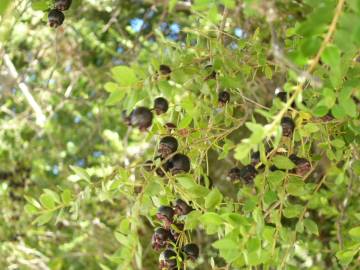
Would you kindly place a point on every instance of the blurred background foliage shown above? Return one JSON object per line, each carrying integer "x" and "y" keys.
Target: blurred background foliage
{"x": 72, "y": 191}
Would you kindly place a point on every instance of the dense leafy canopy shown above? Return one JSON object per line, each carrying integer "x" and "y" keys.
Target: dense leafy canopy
{"x": 274, "y": 177}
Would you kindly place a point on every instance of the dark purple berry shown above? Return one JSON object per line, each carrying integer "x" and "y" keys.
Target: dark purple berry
{"x": 303, "y": 166}
{"x": 160, "y": 171}
{"x": 165, "y": 70}
{"x": 62, "y": 5}
{"x": 327, "y": 118}
{"x": 288, "y": 126}
{"x": 160, "y": 238}
{"x": 282, "y": 96}
{"x": 234, "y": 174}
{"x": 179, "y": 163}
{"x": 165, "y": 214}
{"x": 167, "y": 146}
{"x": 161, "y": 105}
{"x": 167, "y": 260}
{"x": 223, "y": 97}
{"x": 212, "y": 75}
{"x": 55, "y": 18}
{"x": 141, "y": 117}
{"x": 170, "y": 126}
{"x": 191, "y": 251}
{"x": 248, "y": 173}
{"x": 149, "y": 165}
{"x": 182, "y": 208}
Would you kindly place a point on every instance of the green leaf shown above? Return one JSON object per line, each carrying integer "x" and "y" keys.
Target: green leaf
{"x": 66, "y": 196}
{"x": 320, "y": 110}
{"x": 338, "y": 112}
{"x": 275, "y": 178}
{"x": 211, "y": 218}
{"x": 111, "y": 87}
{"x": 338, "y": 143}
{"x": 270, "y": 197}
{"x": 355, "y": 232}
{"x": 349, "y": 107}
{"x": 30, "y": 209}
{"x": 295, "y": 186}
{"x": 258, "y": 132}
{"x": 186, "y": 181}
{"x": 115, "y": 97}
{"x": 124, "y": 75}
{"x": 213, "y": 198}
{"x": 331, "y": 56}
{"x": 293, "y": 210}
{"x": 242, "y": 150}
{"x": 311, "y": 128}
{"x": 225, "y": 244}
{"x": 47, "y": 201}
{"x": 311, "y": 226}
{"x": 346, "y": 256}
{"x": 81, "y": 173}
{"x": 43, "y": 219}
{"x": 283, "y": 162}
{"x": 53, "y": 194}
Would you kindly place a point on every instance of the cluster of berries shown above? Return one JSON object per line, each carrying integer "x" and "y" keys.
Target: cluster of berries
{"x": 171, "y": 162}
{"x": 56, "y": 16}
{"x": 249, "y": 172}
{"x": 303, "y": 166}
{"x": 171, "y": 237}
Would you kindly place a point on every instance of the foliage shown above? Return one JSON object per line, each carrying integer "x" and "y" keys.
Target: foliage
{"x": 73, "y": 190}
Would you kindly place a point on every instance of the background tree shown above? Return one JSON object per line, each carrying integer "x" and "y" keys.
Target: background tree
{"x": 263, "y": 98}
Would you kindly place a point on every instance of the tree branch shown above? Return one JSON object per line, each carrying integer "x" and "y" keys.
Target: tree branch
{"x": 39, "y": 115}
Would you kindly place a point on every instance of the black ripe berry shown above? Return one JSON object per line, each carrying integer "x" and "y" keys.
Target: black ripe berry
{"x": 288, "y": 126}
{"x": 234, "y": 174}
{"x": 160, "y": 171}
{"x": 223, "y": 97}
{"x": 149, "y": 165}
{"x": 170, "y": 126}
{"x": 165, "y": 214}
{"x": 55, "y": 18}
{"x": 248, "y": 173}
{"x": 167, "y": 260}
{"x": 213, "y": 73}
{"x": 62, "y": 4}
{"x": 182, "y": 208}
{"x": 167, "y": 146}
{"x": 161, "y": 105}
{"x": 327, "y": 118}
{"x": 160, "y": 238}
{"x": 303, "y": 166}
{"x": 141, "y": 117}
{"x": 191, "y": 251}
{"x": 179, "y": 163}
{"x": 282, "y": 96}
{"x": 165, "y": 70}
